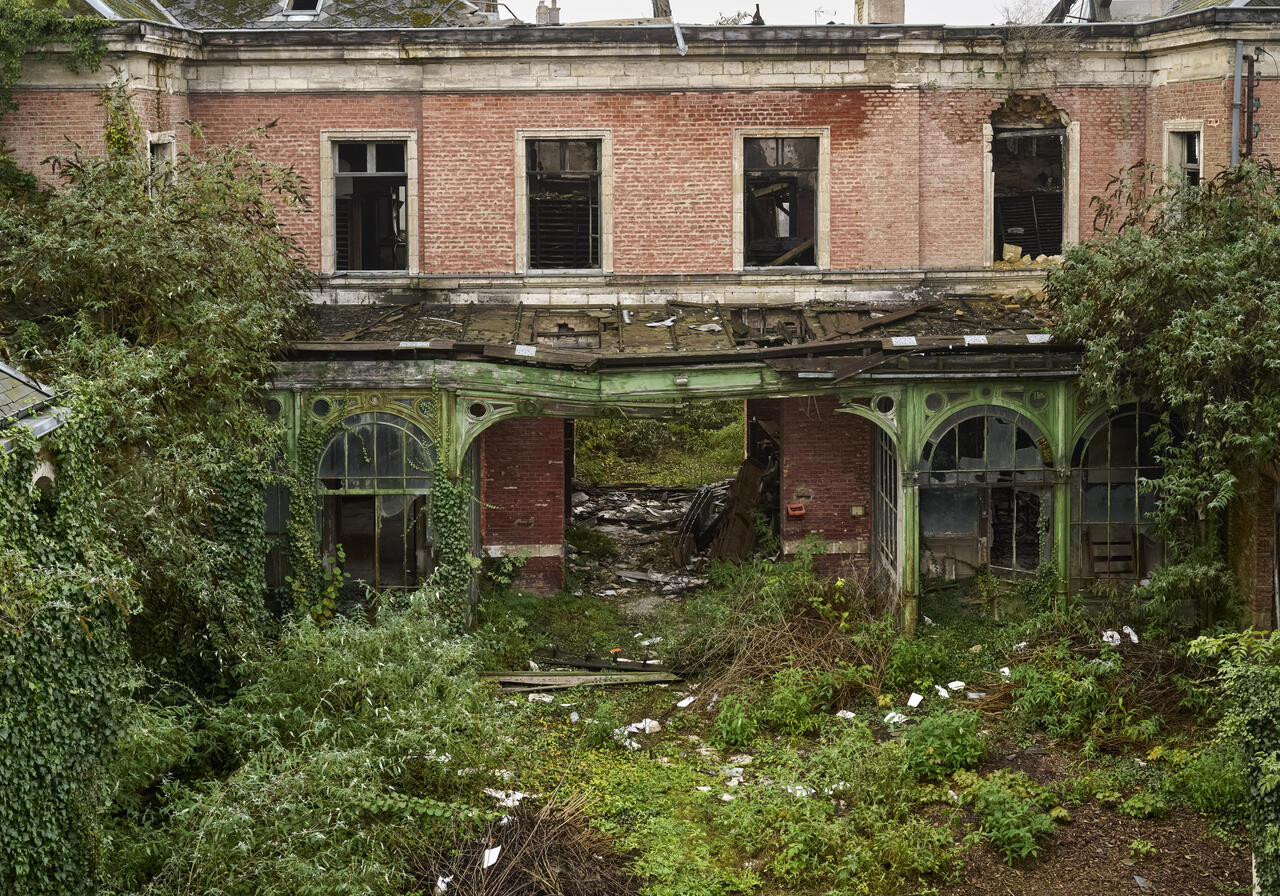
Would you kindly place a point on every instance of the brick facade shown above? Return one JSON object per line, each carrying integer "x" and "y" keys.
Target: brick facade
{"x": 522, "y": 497}
{"x": 826, "y": 468}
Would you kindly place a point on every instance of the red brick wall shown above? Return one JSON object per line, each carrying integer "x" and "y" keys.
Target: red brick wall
{"x": 826, "y": 466}
{"x": 46, "y": 123}
{"x": 522, "y": 483}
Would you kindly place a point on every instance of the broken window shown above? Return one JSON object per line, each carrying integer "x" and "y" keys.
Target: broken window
{"x": 1027, "y": 164}
{"x": 1184, "y": 155}
{"x": 779, "y": 201}
{"x": 884, "y": 512}
{"x": 564, "y": 203}
{"x": 371, "y": 198}
{"x": 303, "y": 5}
{"x": 985, "y": 495}
{"x": 1113, "y": 536}
{"x": 162, "y": 155}
{"x": 374, "y": 479}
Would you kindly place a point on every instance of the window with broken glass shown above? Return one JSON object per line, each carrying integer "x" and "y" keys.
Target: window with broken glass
{"x": 779, "y": 201}
{"x": 885, "y": 488}
{"x": 564, "y": 204}
{"x": 1184, "y": 155}
{"x": 1027, "y": 165}
{"x": 1112, "y": 533}
{"x": 371, "y": 197}
{"x": 374, "y": 478}
{"x": 985, "y": 495}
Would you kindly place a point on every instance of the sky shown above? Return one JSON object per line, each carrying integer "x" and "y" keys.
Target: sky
{"x": 774, "y": 12}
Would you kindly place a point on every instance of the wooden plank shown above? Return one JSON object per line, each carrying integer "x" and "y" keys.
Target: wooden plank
{"x": 549, "y": 681}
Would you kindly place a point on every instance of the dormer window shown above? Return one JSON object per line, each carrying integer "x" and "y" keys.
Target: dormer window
{"x": 307, "y": 7}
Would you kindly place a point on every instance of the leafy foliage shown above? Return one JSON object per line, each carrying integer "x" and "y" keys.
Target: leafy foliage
{"x": 1012, "y": 819}
{"x": 943, "y": 743}
{"x": 161, "y": 297}
{"x": 1249, "y": 665}
{"x": 699, "y": 444}
{"x": 1180, "y": 306}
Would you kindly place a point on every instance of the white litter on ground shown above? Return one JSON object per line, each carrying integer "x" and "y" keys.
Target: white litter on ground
{"x": 915, "y": 699}
{"x": 977, "y": 695}
{"x": 895, "y": 718}
{"x": 1005, "y": 671}
{"x": 1133, "y": 636}
{"x": 686, "y": 702}
{"x": 942, "y": 692}
{"x": 955, "y": 685}
{"x": 507, "y": 799}
{"x": 845, "y": 714}
{"x": 540, "y": 698}
{"x": 490, "y": 857}
{"x": 442, "y": 884}
{"x": 1112, "y": 638}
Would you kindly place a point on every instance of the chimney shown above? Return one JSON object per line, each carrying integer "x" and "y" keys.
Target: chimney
{"x": 547, "y": 15}
{"x": 881, "y": 12}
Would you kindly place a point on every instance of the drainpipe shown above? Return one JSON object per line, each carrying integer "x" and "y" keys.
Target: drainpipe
{"x": 1235, "y": 106}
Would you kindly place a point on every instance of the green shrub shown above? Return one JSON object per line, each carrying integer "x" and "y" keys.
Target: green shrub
{"x": 944, "y": 743}
{"x": 1215, "y": 783}
{"x": 1145, "y": 804}
{"x": 1012, "y": 819}
{"x": 734, "y": 727}
{"x": 917, "y": 663}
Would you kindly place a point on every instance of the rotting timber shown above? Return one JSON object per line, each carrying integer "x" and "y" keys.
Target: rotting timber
{"x": 909, "y": 363}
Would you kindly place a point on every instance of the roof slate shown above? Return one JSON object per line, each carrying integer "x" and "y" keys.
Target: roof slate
{"x": 261, "y": 14}
{"x": 20, "y": 395}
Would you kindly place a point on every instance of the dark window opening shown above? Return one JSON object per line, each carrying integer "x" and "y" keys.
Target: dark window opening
{"x": 1185, "y": 155}
{"x": 780, "y": 201}
{"x": 304, "y": 5}
{"x": 985, "y": 497}
{"x": 371, "y": 201}
{"x": 1028, "y": 169}
{"x": 1113, "y": 536}
{"x": 564, "y": 204}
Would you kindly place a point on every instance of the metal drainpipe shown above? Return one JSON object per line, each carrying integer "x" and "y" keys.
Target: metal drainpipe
{"x": 1235, "y": 106}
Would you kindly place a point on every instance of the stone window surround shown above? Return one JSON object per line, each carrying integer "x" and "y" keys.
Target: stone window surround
{"x": 822, "y": 243}
{"x": 1182, "y": 126}
{"x": 328, "y": 247}
{"x": 169, "y": 138}
{"x": 605, "y": 136}
{"x": 1070, "y": 191}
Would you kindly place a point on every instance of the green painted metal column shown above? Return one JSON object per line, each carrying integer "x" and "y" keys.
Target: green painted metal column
{"x": 908, "y": 437}
{"x": 1063, "y": 418}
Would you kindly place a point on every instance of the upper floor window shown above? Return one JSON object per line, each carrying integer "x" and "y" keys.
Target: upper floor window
{"x": 1184, "y": 155}
{"x": 779, "y": 201}
{"x": 371, "y": 206}
{"x": 564, "y": 203}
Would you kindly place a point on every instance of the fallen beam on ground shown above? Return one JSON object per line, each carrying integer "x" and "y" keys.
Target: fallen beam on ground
{"x": 550, "y": 681}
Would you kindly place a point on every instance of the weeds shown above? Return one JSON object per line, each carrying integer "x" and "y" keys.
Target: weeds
{"x": 944, "y": 743}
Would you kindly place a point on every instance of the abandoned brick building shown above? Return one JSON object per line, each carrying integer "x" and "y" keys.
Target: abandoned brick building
{"x": 842, "y": 226}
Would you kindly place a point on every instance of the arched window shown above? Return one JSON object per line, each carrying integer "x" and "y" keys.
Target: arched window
{"x": 985, "y": 493}
{"x": 1110, "y": 513}
{"x": 373, "y": 478}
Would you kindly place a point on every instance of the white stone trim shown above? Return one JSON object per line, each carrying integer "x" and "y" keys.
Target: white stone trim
{"x": 605, "y": 136}
{"x": 328, "y": 249}
{"x": 524, "y": 550}
{"x": 822, "y": 244}
{"x": 1182, "y": 126}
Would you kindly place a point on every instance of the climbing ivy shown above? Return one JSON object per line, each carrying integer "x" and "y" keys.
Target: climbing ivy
{"x": 63, "y": 601}
{"x": 162, "y": 306}
{"x": 28, "y": 28}
{"x": 1249, "y": 665}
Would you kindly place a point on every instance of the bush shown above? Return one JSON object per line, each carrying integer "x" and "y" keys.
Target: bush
{"x": 1215, "y": 784}
{"x": 351, "y": 740}
{"x": 734, "y": 727}
{"x": 944, "y": 743}
{"x": 1012, "y": 819}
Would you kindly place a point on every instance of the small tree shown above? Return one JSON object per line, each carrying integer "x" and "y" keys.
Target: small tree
{"x": 159, "y": 297}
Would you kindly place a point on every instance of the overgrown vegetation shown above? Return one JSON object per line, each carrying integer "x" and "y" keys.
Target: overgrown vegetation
{"x": 700, "y": 444}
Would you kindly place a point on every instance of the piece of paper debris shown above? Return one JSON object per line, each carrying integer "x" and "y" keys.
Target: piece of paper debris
{"x": 1133, "y": 636}
{"x": 573, "y": 718}
{"x": 977, "y": 695}
{"x": 442, "y": 884}
{"x": 644, "y": 726}
{"x": 1112, "y": 638}
{"x": 797, "y": 790}
{"x": 895, "y": 718}
{"x": 845, "y": 714}
{"x": 1020, "y": 646}
{"x": 705, "y": 788}
{"x": 662, "y": 323}
{"x": 927, "y": 620}
{"x": 914, "y": 700}
{"x": 540, "y": 698}
{"x": 942, "y": 692}
{"x": 648, "y": 642}
{"x": 686, "y": 702}
{"x": 507, "y": 799}
{"x": 726, "y": 797}
{"x": 956, "y": 685}
{"x": 1005, "y": 671}
{"x": 490, "y": 857}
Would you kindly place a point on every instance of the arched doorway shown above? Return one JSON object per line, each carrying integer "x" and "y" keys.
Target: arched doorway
{"x": 986, "y": 483}
{"x": 373, "y": 479}
{"x": 1112, "y": 534}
